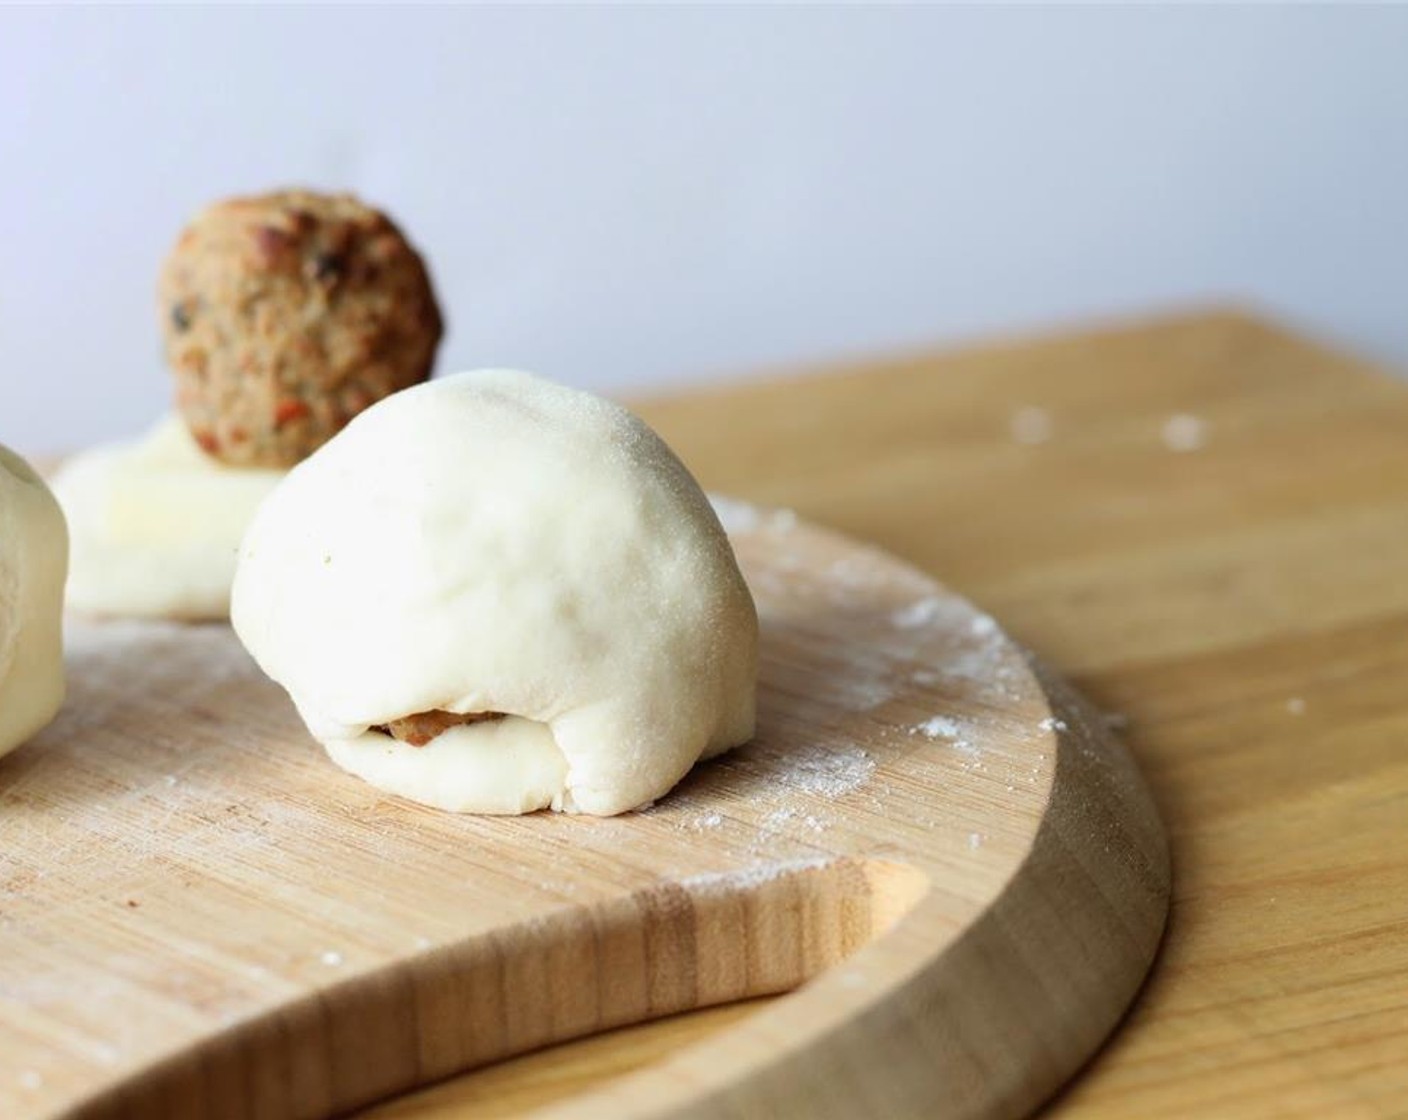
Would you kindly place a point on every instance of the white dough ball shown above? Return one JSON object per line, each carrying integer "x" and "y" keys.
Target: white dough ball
{"x": 156, "y": 526}
{"x": 33, "y": 560}
{"x": 494, "y": 542}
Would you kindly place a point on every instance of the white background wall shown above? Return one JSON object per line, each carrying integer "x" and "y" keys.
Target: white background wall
{"x": 621, "y": 197}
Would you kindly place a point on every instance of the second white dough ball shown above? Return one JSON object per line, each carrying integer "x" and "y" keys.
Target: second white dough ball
{"x": 156, "y": 526}
{"x": 493, "y": 543}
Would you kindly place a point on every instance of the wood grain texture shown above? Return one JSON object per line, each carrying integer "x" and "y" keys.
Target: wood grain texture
{"x": 202, "y": 917}
{"x": 540, "y": 1078}
{"x": 1244, "y": 604}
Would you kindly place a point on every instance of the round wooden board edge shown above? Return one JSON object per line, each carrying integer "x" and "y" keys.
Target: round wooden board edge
{"x": 982, "y": 1028}
{"x": 979, "y": 1027}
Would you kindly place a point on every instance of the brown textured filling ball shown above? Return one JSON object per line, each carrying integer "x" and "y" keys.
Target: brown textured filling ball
{"x": 285, "y": 315}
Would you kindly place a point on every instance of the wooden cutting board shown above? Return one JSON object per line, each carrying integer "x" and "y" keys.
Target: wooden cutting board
{"x": 939, "y": 846}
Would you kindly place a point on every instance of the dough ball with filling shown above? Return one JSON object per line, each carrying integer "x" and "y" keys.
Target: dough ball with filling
{"x": 156, "y": 526}
{"x": 491, "y": 593}
{"x": 33, "y": 560}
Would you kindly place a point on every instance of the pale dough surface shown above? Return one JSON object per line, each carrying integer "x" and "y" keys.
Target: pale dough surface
{"x": 494, "y": 542}
{"x": 156, "y": 526}
{"x": 33, "y": 561}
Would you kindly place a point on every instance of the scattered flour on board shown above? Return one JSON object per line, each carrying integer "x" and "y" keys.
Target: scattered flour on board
{"x": 987, "y": 668}
{"x": 1030, "y": 425}
{"x": 983, "y": 626}
{"x": 942, "y": 611}
{"x": 1184, "y": 432}
{"x": 858, "y": 577}
{"x": 105, "y": 1052}
{"x": 864, "y": 693}
{"x": 938, "y": 727}
{"x": 947, "y": 729}
{"x": 984, "y": 661}
{"x": 859, "y": 678}
{"x": 923, "y": 612}
{"x": 751, "y": 877}
{"x": 833, "y": 774}
{"x": 744, "y": 517}
{"x": 780, "y": 819}
{"x": 701, "y": 822}
{"x": 222, "y": 658}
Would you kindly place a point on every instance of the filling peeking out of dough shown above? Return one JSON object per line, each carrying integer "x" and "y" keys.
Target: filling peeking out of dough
{"x": 419, "y": 729}
{"x": 485, "y": 762}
